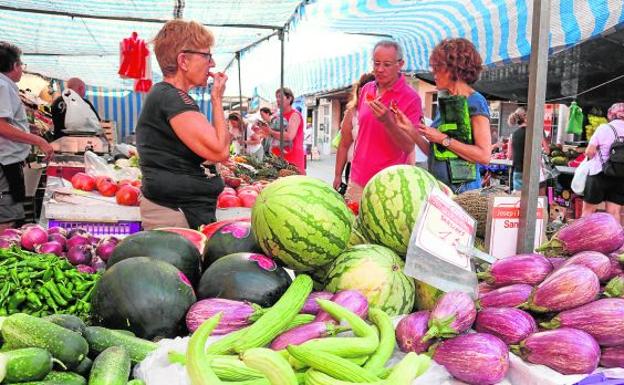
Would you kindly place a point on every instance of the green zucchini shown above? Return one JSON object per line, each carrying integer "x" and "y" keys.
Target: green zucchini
{"x": 111, "y": 367}
{"x": 25, "y": 331}
{"x": 67, "y": 321}
{"x": 84, "y": 368}
{"x": 100, "y": 339}
{"x": 28, "y": 364}
{"x": 66, "y": 378}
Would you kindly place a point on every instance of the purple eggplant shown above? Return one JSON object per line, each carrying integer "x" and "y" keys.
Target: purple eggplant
{"x": 507, "y": 323}
{"x": 484, "y": 287}
{"x": 311, "y": 306}
{"x": 566, "y": 350}
{"x": 507, "y": 296}
{"x": 349, "y": 299}
{"x": 411, "y": 330}
{"x": 529, "y": 269}
{"x": 453, "y": 314}
{"x": 476, "y": 358}
{"x": 597, "y": 232}
{"x": 597, "y": 262}
{"x": 615, "y": 287}
{"x": 612, "y": 357}
{"x": 304, "y": 333}
{"x": 235, "y": 314}
{"x": 602, "y": 319}
{"x": 567, "y": 288}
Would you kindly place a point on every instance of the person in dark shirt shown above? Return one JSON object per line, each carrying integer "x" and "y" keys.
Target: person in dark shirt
{"x": 58, "y": 107}
{"x": 174, "y": 138}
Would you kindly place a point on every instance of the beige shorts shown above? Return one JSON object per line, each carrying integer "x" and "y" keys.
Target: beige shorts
{"x": 354, "y": 192}
{"x": 154, "y": 216}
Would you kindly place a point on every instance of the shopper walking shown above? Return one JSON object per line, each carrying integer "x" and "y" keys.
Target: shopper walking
{"x": 515, "y": 150}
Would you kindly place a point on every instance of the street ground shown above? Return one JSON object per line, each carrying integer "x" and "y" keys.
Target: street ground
{"x": 323, "y": 168}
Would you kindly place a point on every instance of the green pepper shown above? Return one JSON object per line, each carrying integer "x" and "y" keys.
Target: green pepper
{"x": 33, "y": 299}
{"x": 69, "y": 286}
{"x": 66, "y": 293}
{"x": 3, "y": 312}
{"x": 24, "y": 274}
{"x": 58, "y": 275}
{"x": 48, "y": 274}
{"x": 15, "y": 301}
{"x": 14, "y": 275}
{"x": 48, "y": 298}
{"x": 26, "y": 282}
{"x": 54, "y": 291}
{"x": 82, "y": 286}
{"x": 71, "y": 309}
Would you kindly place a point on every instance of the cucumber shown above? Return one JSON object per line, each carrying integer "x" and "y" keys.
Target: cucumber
{"x": 136, "y": 382}
{"x": 28, "y": 364}
{"x": 65, "y": 378}
{"x": 24, "y": 331}
{"x": 126, "y": 332}
{"x": 100, "y": 339}
{"x": 67, "y": 321}
{"x": 84, "y": 368}
{"x": 111, "y": 367}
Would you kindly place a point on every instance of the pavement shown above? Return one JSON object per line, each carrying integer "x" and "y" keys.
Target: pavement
{"x": 323, "y": 168}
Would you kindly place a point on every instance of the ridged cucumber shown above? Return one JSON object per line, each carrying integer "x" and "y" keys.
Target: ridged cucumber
{"x": 271, "y": 364}
{"x": 25, "y": 331}
{"x": 100, "y": 339}
{"x": 66, "y": 378}
{"x": 67, "y": 321}
{"x": 111, "y": 367}
{"x": 28, "y": 364}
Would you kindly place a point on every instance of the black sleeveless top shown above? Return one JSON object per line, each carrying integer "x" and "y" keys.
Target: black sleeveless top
{"x": 517, "y": 146}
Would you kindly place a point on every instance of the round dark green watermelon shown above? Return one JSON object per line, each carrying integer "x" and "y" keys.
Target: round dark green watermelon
{"x": 162, "y": 245}
{"x": 144, "y": 295}
{"x": 232, "y": 237}
{"x": 244, "y": 277}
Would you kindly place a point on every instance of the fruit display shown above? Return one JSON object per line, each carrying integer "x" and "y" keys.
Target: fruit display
{"x": 560, "y": 157}
{"x": 126, "y": 192}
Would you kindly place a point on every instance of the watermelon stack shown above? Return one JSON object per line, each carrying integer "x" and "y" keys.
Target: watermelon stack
{"x": 302, "y": 222}
{"x": 377, "y": 273}
{"x": 391, "y": 204}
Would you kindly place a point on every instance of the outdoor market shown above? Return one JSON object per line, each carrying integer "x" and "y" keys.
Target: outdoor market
{"x": 313, "y": 192}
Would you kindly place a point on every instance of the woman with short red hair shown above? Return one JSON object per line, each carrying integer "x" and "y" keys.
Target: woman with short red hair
{"x": 174, "y": 138}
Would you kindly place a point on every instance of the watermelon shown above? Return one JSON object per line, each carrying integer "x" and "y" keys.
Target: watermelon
{"x": 198, "y": 239}
{"x": 301, "y": 221}
{"x": 426, "y": 295}
{"x": 391, "y": 204}
{"x": 247, "y": 277}
{"x": 162, "y": 245}
{"x": 209, "y": 229}
{"x": 144, "y": 295}
{"x": 230, "y": 238}
{"x": 376, "y": 272}
{"x": 358, "y": 237}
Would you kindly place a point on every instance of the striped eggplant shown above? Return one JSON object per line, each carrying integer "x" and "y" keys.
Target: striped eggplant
{"x": 530, "y": 269}
{"x": 602, "y": 319}
{"x": 597, "y": 232}
{"x": 484, "y": 287}
{"x": 507, "y": 296}
{"x": 612, "y": 357}
{"x": 475, "y": 358}
{"x": 411, "y": 330}
{"x": 304, "y": 333}
{"x": 593, "y": 260}
{"x": 507, "y": 323}
{"x": 557, "y": 261}
{"x": 566, "y": 350}
{"x": 615, "y": 287}
{"x": 311, "y": 306}
{"x": 616, "y": 264}
{"x": 566, "y": 288}
{"x": 235, "y": 314}
{"x": 349, "y": 299}
{"x": 453, "y": 314}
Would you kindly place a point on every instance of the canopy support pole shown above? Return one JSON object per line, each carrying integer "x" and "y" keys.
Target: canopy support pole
{"x": 538, "y": 71}
{"x": 240, "y": 99}
{"x": 281, "y": 105}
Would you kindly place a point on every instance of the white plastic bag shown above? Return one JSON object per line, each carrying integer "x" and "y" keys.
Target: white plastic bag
{"x": 580, "y": 177}
{"x": 79, "y": 117}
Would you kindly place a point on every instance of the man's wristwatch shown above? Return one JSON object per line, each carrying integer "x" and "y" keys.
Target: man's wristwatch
{"x": 446, "y": 141}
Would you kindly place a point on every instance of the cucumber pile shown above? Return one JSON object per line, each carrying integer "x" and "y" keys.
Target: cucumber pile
{"x": 62, "y": 350}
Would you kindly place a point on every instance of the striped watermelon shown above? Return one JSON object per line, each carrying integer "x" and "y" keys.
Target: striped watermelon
{"x": 391, "y": 204}
{"x": 376, "y": 272}
{"x": 357, "y": 233}
{"x": 301, "y": 221}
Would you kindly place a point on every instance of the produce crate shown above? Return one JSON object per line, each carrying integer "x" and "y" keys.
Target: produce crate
{"x": 118, "y": 229}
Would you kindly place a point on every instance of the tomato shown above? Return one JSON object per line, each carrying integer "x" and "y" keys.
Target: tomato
{"x": 227, "y": 200}
{"x": 82, "y": 181}
{"x": 248, "y": 188}
{"x": 248, "y": 197}
{"x": 127, "y": 195}
{"x": 370, "y": 97}
{"x": 354, "y": 206}
{"x": 228, "y": 191}
{"x": 136, "y": 183}
{"x": 124, "y": 182}
{"x": 107, "y": 187}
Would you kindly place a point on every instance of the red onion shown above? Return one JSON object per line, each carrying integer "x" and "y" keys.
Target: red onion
{"x": 98, "y": 264}
{"x": 57, "y": 230}
{"x": 77, "y": 231}
{"x": 33, "y": 236}
{"x": 77, "y": 240}
{"x": 311, "y": 306}
{"x": 50, "y": 247}
{"x": 80, "y": 255}
{"x": 85, "y": 269}
{"x": 59, "y": 238}
{"x": 6, "y": 243}
{"x": 105, "y": 249}
{"x": 12, "y": 238}
{"x": 11, "y": 233}
{"x": 411, "y": 330}
{"x": 94, "y": 240}
{"x": 349, "y": 299}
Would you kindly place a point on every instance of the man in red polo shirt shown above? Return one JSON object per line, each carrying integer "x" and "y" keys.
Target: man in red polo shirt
{"x": 381, "y": 143}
